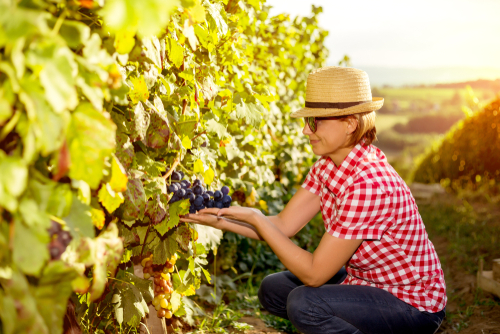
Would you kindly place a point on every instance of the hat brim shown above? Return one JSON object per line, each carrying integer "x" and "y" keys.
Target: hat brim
{"x": 376, "y": 104}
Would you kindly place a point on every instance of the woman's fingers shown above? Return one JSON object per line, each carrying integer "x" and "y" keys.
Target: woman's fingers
{"x": 204, "y": 219}
{"x": 211, "y": 211}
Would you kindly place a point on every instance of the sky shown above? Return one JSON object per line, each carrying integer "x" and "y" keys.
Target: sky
{"x": 421, "y": 34}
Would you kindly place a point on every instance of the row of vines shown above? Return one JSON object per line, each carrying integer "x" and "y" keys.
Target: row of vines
{"x": 100, "y": 102}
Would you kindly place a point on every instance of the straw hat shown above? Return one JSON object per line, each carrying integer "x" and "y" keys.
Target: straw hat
{"x": 337, "y": 91}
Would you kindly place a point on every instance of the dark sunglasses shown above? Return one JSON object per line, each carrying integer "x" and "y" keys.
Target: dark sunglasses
{"x": 312, "y": 122}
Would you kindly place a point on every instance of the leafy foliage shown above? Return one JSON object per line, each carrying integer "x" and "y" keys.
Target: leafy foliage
{"x": 468, "y": 155}
{"x": 99, "y": 103}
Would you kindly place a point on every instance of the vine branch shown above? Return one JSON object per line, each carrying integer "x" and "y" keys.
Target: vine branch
{"x": 199, "y": 134}
{"x": 171, "y": 170}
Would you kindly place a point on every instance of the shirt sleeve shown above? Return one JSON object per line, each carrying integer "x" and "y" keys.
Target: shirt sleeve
{"x": 312, "y": 181}
{"x": 365, "y": 212}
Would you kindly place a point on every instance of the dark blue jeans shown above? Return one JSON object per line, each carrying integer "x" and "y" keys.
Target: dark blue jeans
{"x": 335, "y": 308}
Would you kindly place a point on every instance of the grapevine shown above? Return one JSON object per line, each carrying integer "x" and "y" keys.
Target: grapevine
{"x": 103, "y": 115}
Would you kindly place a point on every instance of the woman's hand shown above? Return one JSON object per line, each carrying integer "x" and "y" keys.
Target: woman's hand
{"x": 212, "y": 217}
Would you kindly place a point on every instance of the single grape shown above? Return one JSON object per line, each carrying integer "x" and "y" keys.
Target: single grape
{"x": 164, "y": 303}
{"x": 192, "y": 209}
{"x": 224, "y": 190}
{"x": 186, "y": 183}
{"x": 172, "y": 188}
{"x": 54, "y": 227}
{"x": 210, "y": 193}
{"x": 180, "y": 193}
{"x": 217, "y": 195}
{"x": 206, "y": 197}
{"x": 173, "y": 199}
{"x": 55, "y": 252}
{"x": 226, "y": 199}
{"x": 218, "y": 205}
{"x": 191, "y": 197}
{"x": 196, "y": 182}
{"x": 176, "y": 176}
{"x": 210, "y": 203}
{"x": 197, "y": 190}
{"x": 201, "y": 207}
{"x": 65, "y": 238}
{"x": 189, "y": 191}
{"x": 181, "y": 173}
{"x": 198, "y": 201}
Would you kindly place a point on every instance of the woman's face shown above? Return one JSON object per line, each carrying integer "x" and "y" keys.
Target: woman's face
{"x": 331, "y": 136}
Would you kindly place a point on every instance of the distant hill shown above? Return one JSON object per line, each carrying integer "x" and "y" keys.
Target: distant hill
{"x": 395, "y": 77}
{"x": 494, "y": 85}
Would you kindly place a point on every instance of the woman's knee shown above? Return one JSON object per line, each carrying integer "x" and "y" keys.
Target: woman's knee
{"x": 270, "y": 291}
{"x": 298, "y": 303}
{"x": 310, "y": 313}
{"x": 266, "y": 288}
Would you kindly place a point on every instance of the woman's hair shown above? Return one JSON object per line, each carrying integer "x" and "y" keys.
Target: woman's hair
{"x": 366, "y": 128}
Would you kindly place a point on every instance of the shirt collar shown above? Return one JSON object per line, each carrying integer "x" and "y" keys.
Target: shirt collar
{"x": 336, "y": 179}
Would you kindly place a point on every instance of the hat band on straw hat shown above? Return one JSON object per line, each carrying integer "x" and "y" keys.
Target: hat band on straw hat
{"x": 336, "y": 105}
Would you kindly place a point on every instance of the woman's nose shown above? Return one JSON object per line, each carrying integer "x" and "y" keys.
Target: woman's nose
{"x": 307, "y": 130}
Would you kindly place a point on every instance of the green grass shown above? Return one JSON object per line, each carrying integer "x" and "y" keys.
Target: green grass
{"x": 472, "y": 231}
{"x": 385, "y": 122}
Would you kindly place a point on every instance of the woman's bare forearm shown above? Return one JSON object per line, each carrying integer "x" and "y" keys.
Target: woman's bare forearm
{"x": 249, "y": 231}
{"x": 243, "y": 229}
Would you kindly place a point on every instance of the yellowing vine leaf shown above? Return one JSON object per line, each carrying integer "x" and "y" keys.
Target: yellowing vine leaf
{"x": 197, "y": 13}
{"x": 119, "y": 178}
{"x": 209, "y": 176}
{"x": 186, "y": 142}
{"x": 124, "y": 41}
{"x": 97, "y": 218}
{"x": 140, "y": 91}
{"x": 198, "y": 167}
{"x": 110, "y": 199}
{"x": 176, "y": 52}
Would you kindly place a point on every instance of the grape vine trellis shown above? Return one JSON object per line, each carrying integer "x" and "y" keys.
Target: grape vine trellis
{"x": 99, "y": 102}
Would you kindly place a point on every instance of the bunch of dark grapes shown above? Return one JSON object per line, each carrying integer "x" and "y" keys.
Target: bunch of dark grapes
{"x": 198, "y": 196}
{"x": 163, "y": 287}
{"x": 59, "y": 240}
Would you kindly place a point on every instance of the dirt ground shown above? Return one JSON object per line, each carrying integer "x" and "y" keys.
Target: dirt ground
{"x": 461, "y": 287}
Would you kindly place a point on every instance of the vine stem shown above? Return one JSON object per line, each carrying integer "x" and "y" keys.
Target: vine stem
{"x": 164, "y": 326}
{"x": 199, "y": 134}
{"x": 184, "y": 105}
{"x": 171, "y": 170}
{"x": 59, "y": 22}
{"x": 145, "y": 238}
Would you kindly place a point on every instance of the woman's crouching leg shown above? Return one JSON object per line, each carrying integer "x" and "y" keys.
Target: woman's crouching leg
{"x": 311, "y": 315}
{"x": 274, "y": 290}
{"x": 356, "y": 309}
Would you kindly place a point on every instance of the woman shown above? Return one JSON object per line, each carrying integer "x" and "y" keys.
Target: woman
{"x": 375, "y": 269}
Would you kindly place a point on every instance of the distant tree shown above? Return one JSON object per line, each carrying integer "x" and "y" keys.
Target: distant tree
{"x": 346, "y": 61}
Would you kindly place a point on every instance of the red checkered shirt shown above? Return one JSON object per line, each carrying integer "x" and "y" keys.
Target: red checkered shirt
{"x": 364, "y": 198}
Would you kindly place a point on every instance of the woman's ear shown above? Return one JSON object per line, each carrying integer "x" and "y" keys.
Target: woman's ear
{"x": 352, "y": 124}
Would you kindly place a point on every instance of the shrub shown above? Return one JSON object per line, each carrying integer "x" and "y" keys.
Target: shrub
{"x": 469, "y": 154}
